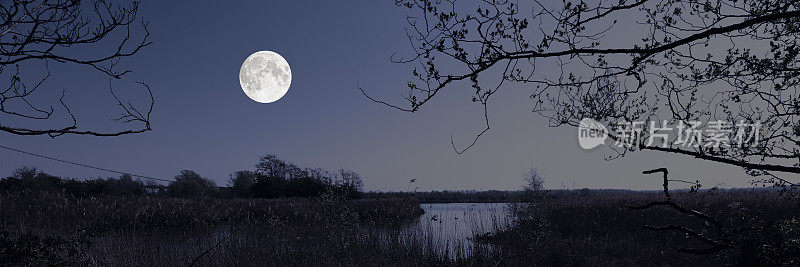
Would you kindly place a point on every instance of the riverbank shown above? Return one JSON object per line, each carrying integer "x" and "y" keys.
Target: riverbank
{"x": 745, "y": 227}
{"x": 591, "y": 228}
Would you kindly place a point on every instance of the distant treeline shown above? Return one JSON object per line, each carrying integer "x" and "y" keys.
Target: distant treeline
{"x": 273, "y": 178}
{"x": 500, "y": 196}
{"x": 30, "y": 179}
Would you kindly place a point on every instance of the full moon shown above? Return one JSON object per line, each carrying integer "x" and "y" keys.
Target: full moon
{"x": 265, "y": 76}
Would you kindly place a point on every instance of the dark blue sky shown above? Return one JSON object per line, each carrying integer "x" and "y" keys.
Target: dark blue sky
{"x": 204, "y": 122}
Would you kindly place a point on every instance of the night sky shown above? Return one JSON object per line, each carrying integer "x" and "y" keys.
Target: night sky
{"x": 204, "y": 122}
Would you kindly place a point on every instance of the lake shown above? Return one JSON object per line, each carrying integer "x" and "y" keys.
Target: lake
{"x": 454, "y": 225}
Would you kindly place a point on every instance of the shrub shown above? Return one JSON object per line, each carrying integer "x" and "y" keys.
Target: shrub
{"x": 241, "y": 183}
{"x": 306, "y": 187}
{"x": 189, "y": 184}
{"x": 349, "y": 184}
{"x": 24, "y": 172}
{"x": 29, "y": 178}
{"x": 268, "y": 187}
{"x": 277, "y": 178}
{"x": 125, "y": 185}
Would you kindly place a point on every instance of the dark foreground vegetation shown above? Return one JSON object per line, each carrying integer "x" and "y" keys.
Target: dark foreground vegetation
{"x": 46, "y": 220}
{"x": 56, "y": 229}
{"x": 600, "y": 228}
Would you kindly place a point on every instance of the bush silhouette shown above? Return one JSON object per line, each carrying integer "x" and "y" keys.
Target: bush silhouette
{"x": 241, "y": 183}
{"x": 276, "y": 178}
{"x": 349, "y": 184}
{"x": 189, "y": 184}
{"x": 30, "y": 179}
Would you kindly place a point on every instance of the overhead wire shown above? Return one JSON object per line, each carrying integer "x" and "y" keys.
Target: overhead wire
{"x": 84, "y": 165}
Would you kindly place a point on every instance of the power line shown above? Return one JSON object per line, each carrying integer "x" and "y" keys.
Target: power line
{"x": 83, "y": 165}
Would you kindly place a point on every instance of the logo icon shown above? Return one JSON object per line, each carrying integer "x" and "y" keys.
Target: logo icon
{"x": 591, "y": 133}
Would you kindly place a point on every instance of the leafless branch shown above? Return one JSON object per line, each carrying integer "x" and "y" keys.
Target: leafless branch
{"x": 34, "y": 32}
{"x": 691, "y": 61}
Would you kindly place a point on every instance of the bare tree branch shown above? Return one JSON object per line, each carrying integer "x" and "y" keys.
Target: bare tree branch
{"x": 685, "y": 61}
{"x": 43, "y": 31}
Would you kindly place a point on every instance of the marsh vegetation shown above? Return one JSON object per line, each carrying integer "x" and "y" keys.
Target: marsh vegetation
{"x": 124, "y": 225}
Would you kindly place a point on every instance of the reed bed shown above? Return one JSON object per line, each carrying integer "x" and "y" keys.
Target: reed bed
{"x": 590, "y": 228}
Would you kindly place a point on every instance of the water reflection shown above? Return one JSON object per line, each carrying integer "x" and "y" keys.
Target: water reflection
{"x": 453, "y": 226}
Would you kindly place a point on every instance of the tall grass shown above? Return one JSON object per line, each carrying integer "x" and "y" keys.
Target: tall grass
{"x": 167, "y": 231}
{"x": 590, "y": 228}
{"x": 599, "y": 229}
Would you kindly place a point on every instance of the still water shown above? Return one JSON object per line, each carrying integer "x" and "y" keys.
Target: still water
{"x": 453, "y": 226}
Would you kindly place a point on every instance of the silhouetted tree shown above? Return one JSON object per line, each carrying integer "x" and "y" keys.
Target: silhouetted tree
{"x": 271, "y": 180}
{"x": 278, "y": 178}
{"x": 241, "y": 183}
{"x": 122, "y": 186}
{"x": 534, "y": 180}
{"x": 529, "y": 205}
{"x": 36, "y": 33}
{"x": 125, "y": 185}
{"x": 272, "y": 166}
{"x": 323, "y": 175}
{"x": 191, "y": 184}
{"x": 350, "y": 184}
{"x": 621, "y": 61}
{"x": 25, "y": 172}
{"x": 29, "y": 178}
